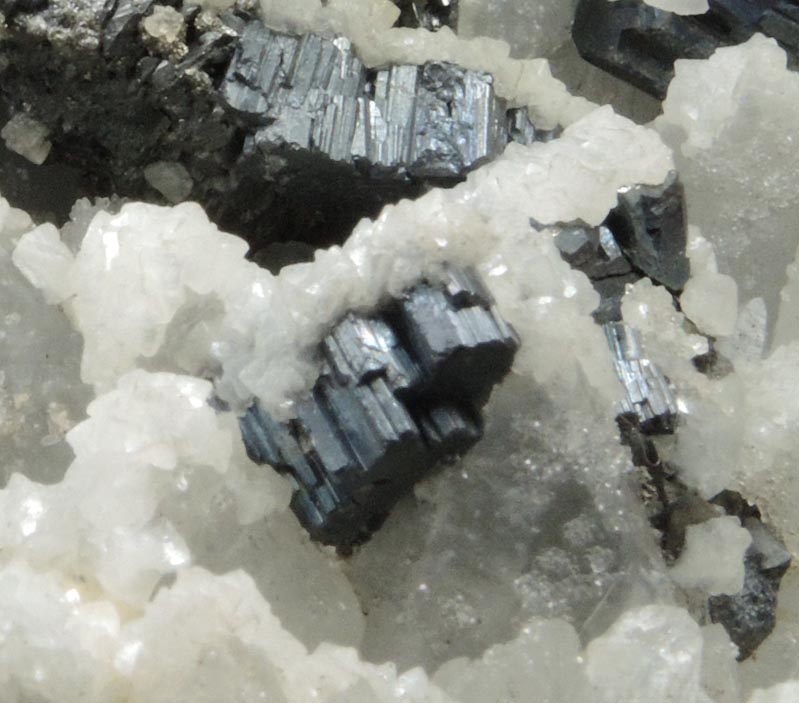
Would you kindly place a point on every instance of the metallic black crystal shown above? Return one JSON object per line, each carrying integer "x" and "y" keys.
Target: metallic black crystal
{"x": 398, "y": 392}
{"x": 285, "y": 137}
{"x": 640, "y": 43}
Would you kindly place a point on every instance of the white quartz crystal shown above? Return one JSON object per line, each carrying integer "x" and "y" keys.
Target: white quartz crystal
{"x": 45, "y": 261}
{"x": 712, "y": 559}
{"x": 27, "y": 137}
{"x": 41, "y": 396}
{"x": 720, "y": 678}
{"x": 748, "y": 340}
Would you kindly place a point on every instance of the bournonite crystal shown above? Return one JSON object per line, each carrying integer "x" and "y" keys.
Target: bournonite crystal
{"x": 640, "y": 43}
{"x": 280, "y": 137}
{"x": 649, "y": 398}
{"x": 644, "y": 235}
{"x": 398, "y": 392}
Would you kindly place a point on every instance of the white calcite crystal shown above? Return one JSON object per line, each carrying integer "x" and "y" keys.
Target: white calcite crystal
{"x": 41, "y": 395}
{"x": 712, "y": 559}
{"x": 731, "y": 122}
{"x": 710, "y": 300}
{"x": 165, "y": 24}
{"x": 27, "y": 137}
{"x": 781, "y": 693}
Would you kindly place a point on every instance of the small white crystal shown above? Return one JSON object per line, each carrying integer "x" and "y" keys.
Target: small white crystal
{"x": 710, "y": 301}
{"x": 165, "y": 24}
{"x": 541, "y": 664}
{"x": 45, "y": 261}
{"x": 713, "y": 557}
{"x": 169, "y": 178}
{"x": 530, "y": 28}
{"x": 27, "y": 137}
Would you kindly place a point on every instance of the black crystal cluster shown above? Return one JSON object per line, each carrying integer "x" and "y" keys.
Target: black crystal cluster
{"x": 750, "y": 615}
{"x": 644, "y": 235}
{"x": 279, "y": 137}
{"x": 640, "y": 43}
{"x": 398, "y": 392}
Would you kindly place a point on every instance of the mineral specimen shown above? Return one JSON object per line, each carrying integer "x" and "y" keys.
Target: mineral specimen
{"x": 639, "y": 42}
{"x": 164, "y": 563}
{"x": 397, "y": 393}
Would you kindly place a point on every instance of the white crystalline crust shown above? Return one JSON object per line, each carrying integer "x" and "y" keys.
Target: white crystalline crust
{"x": 124, "y": 581}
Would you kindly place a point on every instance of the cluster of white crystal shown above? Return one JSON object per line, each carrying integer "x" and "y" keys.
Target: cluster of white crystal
{"x": 732, "y": 123}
